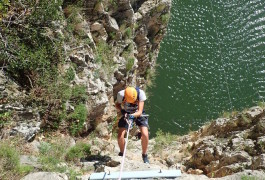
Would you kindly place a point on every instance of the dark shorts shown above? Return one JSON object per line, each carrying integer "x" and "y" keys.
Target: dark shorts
{"x": 140, "y": 121}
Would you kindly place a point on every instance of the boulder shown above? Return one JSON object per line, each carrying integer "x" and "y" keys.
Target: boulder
{"x": 185, "y": 176}
{"x": 246, "y": 174}
{"x": 259, "y": 162}
{"x": 45, "y": 176}
{"x": 255, "y": 112}
{"x": 225, "y": 171}
{"x": 261, "y": 144}
{"x": 27, "y": 129}
{"x": 258, "y": 130}
{"x": 217, "y": 127}
{"x": 212, "y": 166}
{"x": 102, "y": 130}
{"x": 195, "y": 171}
{"x": 111, "y": 24}
{"x": 99, "y": 33}
{"x": 79, "y": 60}
{"x": 30, "y": 161}
{"x": 3, "y": 81}
{"x": 33, "y": 146}
{"x": 243, "y": 144}
{"x": 83, "y": 177}
{"x": 234, "y": 157}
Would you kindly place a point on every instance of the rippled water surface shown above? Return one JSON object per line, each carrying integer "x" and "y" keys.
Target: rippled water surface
{"x": 212, "y": 60}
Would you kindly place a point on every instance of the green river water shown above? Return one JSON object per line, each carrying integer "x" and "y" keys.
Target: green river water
{"x": 211, "y": 61}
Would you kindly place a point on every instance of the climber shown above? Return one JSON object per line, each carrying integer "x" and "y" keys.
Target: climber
{"x": 130, "y": 102}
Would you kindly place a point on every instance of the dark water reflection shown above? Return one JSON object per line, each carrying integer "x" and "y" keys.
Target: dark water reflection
{"x": 212, "y": 60}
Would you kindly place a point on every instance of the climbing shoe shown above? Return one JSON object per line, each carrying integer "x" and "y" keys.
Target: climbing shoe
{"x": 145, "y": 158}
{"x": 120, "y": 154}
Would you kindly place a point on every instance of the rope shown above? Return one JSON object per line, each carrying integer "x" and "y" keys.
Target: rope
{"x": 217, "y": 34}
{"x": 125, "y": 147}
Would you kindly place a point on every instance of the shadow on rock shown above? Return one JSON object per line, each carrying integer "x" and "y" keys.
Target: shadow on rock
{"x": 100, "y": 162}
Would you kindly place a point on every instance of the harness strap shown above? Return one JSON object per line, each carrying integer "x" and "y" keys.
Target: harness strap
{"x": 138, "y": 92}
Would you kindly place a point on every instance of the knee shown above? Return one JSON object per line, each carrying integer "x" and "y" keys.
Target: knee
{"x": 120, "y": 135}
{"x": 145, "y": 134}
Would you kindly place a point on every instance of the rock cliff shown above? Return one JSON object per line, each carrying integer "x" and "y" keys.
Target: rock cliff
{"x": 62, "y": 63}
{"x": 63, "y": 67}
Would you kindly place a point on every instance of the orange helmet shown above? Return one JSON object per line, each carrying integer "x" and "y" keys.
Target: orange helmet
{"x": 130, "y": 95}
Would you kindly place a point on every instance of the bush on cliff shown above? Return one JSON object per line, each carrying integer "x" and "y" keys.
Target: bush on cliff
{"x": 57, "y": 156}
{"x": 163, "y": 140}
{"x": 10, "y": 167}
{"x": 80, "y": 150}
{"x": 31, "y": 52}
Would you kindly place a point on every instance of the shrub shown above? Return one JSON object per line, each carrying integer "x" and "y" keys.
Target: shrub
{"x": 44, "y": 148}
{"x": 79, "y": 94}
{"x": 4, "y": 5}
{"x": 29, "y": 61}
{"x": 129, "y": 63}
{"x": 112, "y": 35}
{"x": 69, "y": 75}
{"x": 150, "y": 77}
{"x": 114, "y": 3}
{"x": 261, "y": 104}
{"x": 5, "y": 117}
{"x": 46, "y": 11}
{"x": 160, "y": 8}
{"x": 52, "y": 154}
{"x": 165, "y": 18}
{"x": 246, "y": 177}
{"x": 10, "y": 167}
{"x": 128, "y": 32}
{"x": 77, "y": 118}
{"x": 71, "y": 12}
{"x": 104, "y": 56}
{"x": 32, "y": 52}
{"x": 25, "y": 169}
{"x": 104, "y": 53}
{"x": 9, "y": 157}
{"x": 162, "y": 140}
{"x": 78, "y": 151}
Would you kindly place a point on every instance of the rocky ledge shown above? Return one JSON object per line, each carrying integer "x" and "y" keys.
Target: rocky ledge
{"x": 232, "y": 147}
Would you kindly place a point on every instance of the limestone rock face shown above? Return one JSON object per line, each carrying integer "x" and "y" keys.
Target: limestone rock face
{"x": 46, "y": 176}
{"x": 228, "y": 145}
{"x": 222, "y": 149}
{"x": 112, "y": 44}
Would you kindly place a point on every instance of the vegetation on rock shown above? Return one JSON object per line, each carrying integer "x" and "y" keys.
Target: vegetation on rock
{"x": 31, "y": 52}
{"x": 10, "y": 168}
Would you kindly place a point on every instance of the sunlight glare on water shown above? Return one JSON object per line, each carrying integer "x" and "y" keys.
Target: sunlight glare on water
{"x": 211, "y": 61}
